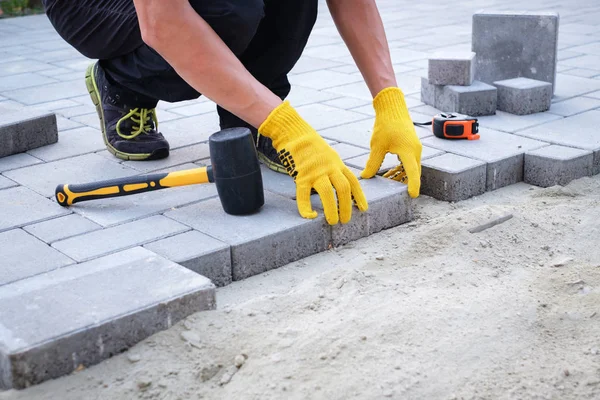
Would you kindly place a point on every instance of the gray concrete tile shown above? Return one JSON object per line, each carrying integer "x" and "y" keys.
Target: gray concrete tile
{"x": 322, "y": 117}
{"x": 347, "y": 103}
{"x": 61, "y": 228}
{"x": 261, "y": 241}
{"x": 578, "y": 131}
{"x": 557, "y": 165}
{"x": 21, "y": 67}
{"x": 590, "y": 48}
{"x": 523, "y": 96}
{"x": 323, "y": 79}
{"x": 574, "y": 106}
{"x": 24, "y": 130}
{"x": 65, "y": 124}
{"x": 568, "y": 86}
{"x": 24, "y": 256}
{"x": 568, "y": 54}
{"x": 451, "y": 68}
{"x": 111, "y": 240}
{"x": 590, "y": 61}
{"x": 80, "y": 109}
{"x": 21, "y": 206}
{"x": 346, "y": 151}
{"x": 328, "y": 52}
{"x": 197, "y": 108}
{"x": 502, "y": 152}
{"x": 278, "y": 183}
{"x": 17, "y": 161}
{"x": 451, "y": 177}
{"x": 198, "y": 252}
{"x": 307, "y": 64}
{"x": 191, "y": 130}
{"x": 6, "y": 183}
{"x": 594, "y": 95}
{"x": 301, "y": 96}
{"x": 73, "y": 142}
{"x": 182, "y": 155}
{"x": 46, "y": 93}
{"x": 21, "y": 81}
{"x": 506, "y": 122}
{"x": 43, "y": 178}
{"x": 110, "y": 303}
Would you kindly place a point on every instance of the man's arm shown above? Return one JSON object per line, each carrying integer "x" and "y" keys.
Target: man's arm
{"x": 202, "y": 59}
{"x": 361, "y": 27}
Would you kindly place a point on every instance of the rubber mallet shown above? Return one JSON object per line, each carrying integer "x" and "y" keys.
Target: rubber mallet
{"x": 235, "y": 171}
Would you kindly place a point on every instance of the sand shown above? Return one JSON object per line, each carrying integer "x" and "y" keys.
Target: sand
{"x": 427, "y": 310}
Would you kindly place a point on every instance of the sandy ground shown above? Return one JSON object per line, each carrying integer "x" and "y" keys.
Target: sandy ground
{"x": 427, "y": 310}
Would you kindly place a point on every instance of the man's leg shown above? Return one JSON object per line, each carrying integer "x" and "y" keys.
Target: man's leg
{"x": 278, "y": 44}
{"x": 130, "y": 77}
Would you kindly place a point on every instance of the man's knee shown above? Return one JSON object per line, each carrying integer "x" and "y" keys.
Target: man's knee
{"x": 235, "y": 21}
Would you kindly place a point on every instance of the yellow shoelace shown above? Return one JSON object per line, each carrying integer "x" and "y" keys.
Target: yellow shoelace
{"x": 142, "y": 117}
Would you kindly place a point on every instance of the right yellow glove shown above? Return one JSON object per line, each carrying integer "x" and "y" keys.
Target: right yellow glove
{"x": 313, "y": 164}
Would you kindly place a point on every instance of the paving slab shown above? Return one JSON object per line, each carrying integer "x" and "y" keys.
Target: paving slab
{"x": 182, "y": 155}
{"x": 321, "y": 117}
{"x": 6, "y": 183}
{"x": 506, "y": 122}
{"x": 21, "y": 81}
{"x": 502, "y": 152}
{"x": 191, "y": 130}
{"x": 451, "y": 68}
{"x": 110, "y": 304}
{"x": 590, "y": 61}
{"x": 451, "y": 177}
{"x": 46, "y": 93}
{"x": 557, "y": 165}
{"x": 24, "y": 256}
{"x": 523, "y": 96}
{"x": 274, "y": 236}
{"x": 323, "y": 79}
{"x": 198, "y": 252}
{"x": 110, "y": 240}
{"x": 22, "y": 130}
{"x": 21, "y": 67}
{"x": 21, "y": 206}
{"x": 73, "y": 142}
{"x": 574, "y": 106}
{"x": 515, "y": 44}
{"x": 568, "y": 86}
{"x": 391, "y": 160}
{"x": 475, "y": 100}
{"x": 61, "y": 228}
{"x": 579, "y": 131}
{"x": 43, "y": 178}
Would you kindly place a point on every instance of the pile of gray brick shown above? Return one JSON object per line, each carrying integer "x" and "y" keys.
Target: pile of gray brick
{"x": 511, "y": 68}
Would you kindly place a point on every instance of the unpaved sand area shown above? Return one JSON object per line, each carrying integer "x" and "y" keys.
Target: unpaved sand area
{"x": 427, "y": 310}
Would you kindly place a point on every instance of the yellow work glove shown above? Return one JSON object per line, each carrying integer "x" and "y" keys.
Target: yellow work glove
{"x": 313, "y": 164}
{"x": 395, "y": 133}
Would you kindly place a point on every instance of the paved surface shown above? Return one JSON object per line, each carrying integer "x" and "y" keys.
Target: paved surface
{"x": 49, "y": 251}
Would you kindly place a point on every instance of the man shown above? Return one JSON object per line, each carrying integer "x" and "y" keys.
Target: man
{"x": 238, "y": 54}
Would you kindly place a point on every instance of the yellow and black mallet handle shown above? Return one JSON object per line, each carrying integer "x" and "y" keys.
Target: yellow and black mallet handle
{"x": 67, "y": 195}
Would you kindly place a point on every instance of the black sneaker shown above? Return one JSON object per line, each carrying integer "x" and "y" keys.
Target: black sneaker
{"x": 267, "y": 153}
{"x": 129, "y": 125}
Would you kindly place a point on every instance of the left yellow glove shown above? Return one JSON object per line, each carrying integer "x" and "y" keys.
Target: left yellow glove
{"x": 395, "y": 133}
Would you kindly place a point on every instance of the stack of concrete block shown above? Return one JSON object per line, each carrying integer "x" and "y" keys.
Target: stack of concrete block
{"x": 451, "y": 87}
{"x": 22, "y": 130}
{"x": 511, "y": 68}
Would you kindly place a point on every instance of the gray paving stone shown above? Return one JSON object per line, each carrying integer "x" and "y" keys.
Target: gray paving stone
{"x": 451, "y": 177}
{"x": 410, "y": 84}
{"x": 65, "y": 124}
{"x": 347, "y": 103}
{"x": 17, "y": 161}
{"x": 78, "y": 110}
{"x": 557, "y": 165}
{"x": 502, "y": 152}
{"x": 389, "y": 206}
{"x": 574, "y": 106}
{"x": 582, "y": 72}
{"x": 391, "y": 160}
{"x": 567, "y": 54}
{"x": 198, "y": 252}
{"x": 61, "y": 228}
{"x": 196, "y": 108}
{"x": 475, "y": 100}
{"x": 506, "y": 122}
{"x": 590, "y": 48}
{"x": 46, "y": 93}
{"x": 110, "y": 304}
{"x": 515, "y": 44}
{"x": 430, "y": 92}
{"x": 21, "y": 206}
{"x": 308, "y": 64}
{"x": 110, "y": 240}
{"x": 21, "y": 81}
{"x": 191, "y": 130}
{"x": 278, "y": 183}
{"x": 6, "y": 183}
{"x": 300, "y": 96}
{"x": 43, "y": 178}
{"x": 346, "y": 151}
{"x": 270, "y": 238}
{"x": 182, "y": 155}
{"x": 323, "y": 79}
{"x": 568, "y": 86}
{"x": 589, "y": 61}
{"x": 24, "y": 256}
{"x": 523, "y": 96}
{"x": 579, "y": 131}
{"x": 24, "y": 130}
{"x": 322, "y": 117}
{"x": 594, "y": 95}
{"x": 73, "y": 142}
{"x": 22, "y": 66}
{"x": 451, "y": 68}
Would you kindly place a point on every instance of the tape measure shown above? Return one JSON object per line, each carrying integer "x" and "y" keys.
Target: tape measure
{"x": 445, "y": 126}
{"x": 453, "y": 126}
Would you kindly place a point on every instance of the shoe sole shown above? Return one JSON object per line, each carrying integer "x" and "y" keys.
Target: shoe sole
{"x": 271, "y": 164}
{"x": 92, "y": 88}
